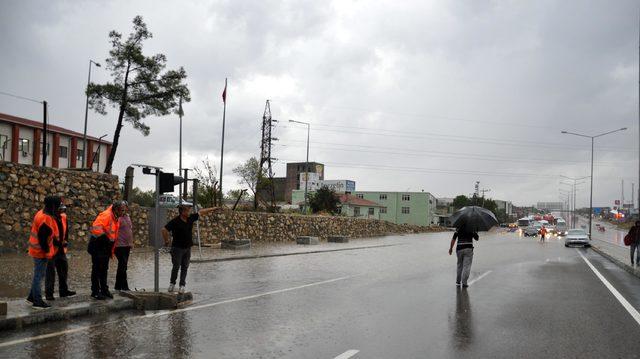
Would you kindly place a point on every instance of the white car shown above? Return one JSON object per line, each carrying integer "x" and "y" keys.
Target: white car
{"x": 577, "y": 237}
{"x": 171, "y": 201}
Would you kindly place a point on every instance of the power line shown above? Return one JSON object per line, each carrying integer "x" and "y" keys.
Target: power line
{"x": 20, "y": 97}
{"x": 419, "y": 153}
{"x": 443, "y": 138}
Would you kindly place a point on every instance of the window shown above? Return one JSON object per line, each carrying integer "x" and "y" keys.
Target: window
{"x": 406, "y": 197}
{"x": 371, "y": 211}
{"x": 356, "y": 211}
{"x": 3, "y": 145}
{"x": 405, "y": 210}
{"x": 383, "y": 210}
{"x": 23, "y": 146}
{"x": 383, "y": 197}
{"x": 80, "y": 157}
{"x": 48, "y": 147}
{"x": 64, "y": 151}
{"x": 360, "y": 195}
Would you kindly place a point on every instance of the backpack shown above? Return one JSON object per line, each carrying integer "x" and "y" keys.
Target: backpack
{"x": 628, "y": 239}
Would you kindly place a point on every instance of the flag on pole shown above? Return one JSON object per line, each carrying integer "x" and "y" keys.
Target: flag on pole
{"x": 224, "y": 93}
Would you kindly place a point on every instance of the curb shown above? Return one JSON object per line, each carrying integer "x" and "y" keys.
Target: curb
{"x": 74, "y": 310}
{"x": 616, "y": 261}
{"x": 237, "y": 258}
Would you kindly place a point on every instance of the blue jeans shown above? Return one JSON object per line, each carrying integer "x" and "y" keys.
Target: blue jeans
{"x": 39, "y": 271}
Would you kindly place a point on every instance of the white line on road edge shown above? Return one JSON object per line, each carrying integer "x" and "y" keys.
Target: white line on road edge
{"x": 479, "y": 277}
{"x": 348, "y": 354}
{"x": 79, "y": 329}
{"x": 634, "y": 313}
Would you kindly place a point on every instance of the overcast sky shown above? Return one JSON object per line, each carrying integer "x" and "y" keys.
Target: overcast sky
{"x": 401, "y": 95}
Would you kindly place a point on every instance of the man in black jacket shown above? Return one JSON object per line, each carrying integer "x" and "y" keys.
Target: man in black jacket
{"x": 59, "y": 261}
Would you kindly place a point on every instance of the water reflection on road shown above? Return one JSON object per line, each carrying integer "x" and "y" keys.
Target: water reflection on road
{"x": 461, "y": 322}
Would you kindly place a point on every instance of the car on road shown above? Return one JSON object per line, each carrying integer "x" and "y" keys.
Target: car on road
{"x": 531, "y": 231}
{"x": 577, "y": 237}
{"x": 561, "y": 227}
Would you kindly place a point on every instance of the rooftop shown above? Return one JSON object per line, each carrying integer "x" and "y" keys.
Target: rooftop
{"x": 37, "y": 124}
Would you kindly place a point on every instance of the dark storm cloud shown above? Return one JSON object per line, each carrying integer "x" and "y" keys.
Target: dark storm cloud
{"x": 378, "y": 80}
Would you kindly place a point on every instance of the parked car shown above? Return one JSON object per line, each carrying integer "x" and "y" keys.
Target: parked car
{"x": 577, "y": 237}
{"x": 171, "y": 201}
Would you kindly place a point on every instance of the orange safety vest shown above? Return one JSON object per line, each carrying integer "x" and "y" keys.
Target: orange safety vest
{"x": 106, "y": 223}
{"x": 35, "y": 250}
{"x": 63, "y": 219}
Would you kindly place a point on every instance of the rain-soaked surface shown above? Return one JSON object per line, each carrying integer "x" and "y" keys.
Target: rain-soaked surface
{"x": 526, "y": 300}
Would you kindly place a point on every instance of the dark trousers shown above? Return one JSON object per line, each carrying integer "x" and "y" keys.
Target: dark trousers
{"x": 634, "y": 246}
{"x": 180, "y": 258}
{"x": 122, "y": 254}
{"x": 57, "y": 263}
{"x": 99, "y": 271}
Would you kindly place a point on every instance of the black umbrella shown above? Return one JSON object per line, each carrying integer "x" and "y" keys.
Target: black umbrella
{"x": 473, "y": 218}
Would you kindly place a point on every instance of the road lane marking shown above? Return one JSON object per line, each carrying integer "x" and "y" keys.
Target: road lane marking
{"x": 348, "y": 354}
{"x": 479, "y": 277}
{"x": 152, "y": 315}
{"x": 632, "y": 311}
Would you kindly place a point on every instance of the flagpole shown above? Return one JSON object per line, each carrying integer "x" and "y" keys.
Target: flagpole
{"x": 180, "y": 152}
{"x": 224, "y": 113}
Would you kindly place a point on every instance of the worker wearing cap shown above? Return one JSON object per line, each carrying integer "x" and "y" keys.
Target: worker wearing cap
{"x": 104, "y": 233}
{"x": 59, "y": 260}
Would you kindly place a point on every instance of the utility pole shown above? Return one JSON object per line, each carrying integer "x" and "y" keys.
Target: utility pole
{"x": 44, "y": 134}
{"x": 180, "y": 154}
{"x": 224, "y": 114}
{"x": 483, "y": 192}
{"x": 265, "y": 157}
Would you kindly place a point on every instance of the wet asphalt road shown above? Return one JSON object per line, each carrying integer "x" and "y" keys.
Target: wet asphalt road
{"x": 528, "y": 300}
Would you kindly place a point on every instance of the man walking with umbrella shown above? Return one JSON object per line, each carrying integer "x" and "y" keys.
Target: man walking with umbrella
{"x": 468, "y": 221}
{"x": 464, "y": 252}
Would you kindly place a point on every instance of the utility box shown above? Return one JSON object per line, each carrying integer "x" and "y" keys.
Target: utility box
{"x": 152, "y": 226}
{"x": 307, "y": 240}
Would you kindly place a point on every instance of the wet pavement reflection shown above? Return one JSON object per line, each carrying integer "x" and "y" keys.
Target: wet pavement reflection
{"x": 461, "y": 321}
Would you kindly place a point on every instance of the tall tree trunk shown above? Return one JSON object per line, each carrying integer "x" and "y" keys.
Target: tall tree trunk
{"x": 116, "y": 135}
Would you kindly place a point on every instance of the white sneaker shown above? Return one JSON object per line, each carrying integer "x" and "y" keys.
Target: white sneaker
{"x": 181, "y": 289}
{"x": 172, "y": 288}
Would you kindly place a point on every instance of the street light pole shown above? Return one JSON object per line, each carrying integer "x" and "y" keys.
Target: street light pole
{"x": 86, "y": 114}
{"x": 592, "y": 146}
{"x": 306, "y": 165}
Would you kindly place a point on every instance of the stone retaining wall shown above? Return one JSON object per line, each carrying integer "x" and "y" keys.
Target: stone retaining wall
{"x": 22, "y": 192}
{"x": 23, "y": 188}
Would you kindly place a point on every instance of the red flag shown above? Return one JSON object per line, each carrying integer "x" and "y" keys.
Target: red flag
{"x": 224, "y": 93}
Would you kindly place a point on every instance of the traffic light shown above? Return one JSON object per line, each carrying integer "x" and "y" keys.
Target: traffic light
{"x": 168, "y": 181}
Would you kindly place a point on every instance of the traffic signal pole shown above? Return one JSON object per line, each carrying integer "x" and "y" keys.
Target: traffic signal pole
{"x": 156, "y": 242}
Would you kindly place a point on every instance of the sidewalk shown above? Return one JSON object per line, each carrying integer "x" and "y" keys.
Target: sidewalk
{"x": 21, "y": 313}
{"x": 615, "y": 253}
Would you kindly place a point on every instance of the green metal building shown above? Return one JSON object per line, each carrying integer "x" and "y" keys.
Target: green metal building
{"x": 417, "y": 208}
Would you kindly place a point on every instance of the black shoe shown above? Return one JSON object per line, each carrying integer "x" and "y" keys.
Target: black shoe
{"x": 67, "y": 294}
{"x": 107, "y": 294}
{"x": 30, "y": 299}
{"x": 50, "y": 297}
{"x": 457, "y": 284}
{"x": 465, "y": 286}
{"x": 98, "y": 296}
{"x": 41, "y": 305}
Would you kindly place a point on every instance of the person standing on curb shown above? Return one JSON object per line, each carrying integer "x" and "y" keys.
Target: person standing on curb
{"x": 44, "y": 230}
{"x": 634, "y": 244}
{"x": 464, "y": 252}
{"x": 59, "y": 261}
{"x": 181, "y": 228}
{"x": 124, "y": 243}
{"x": 104, "y": 233}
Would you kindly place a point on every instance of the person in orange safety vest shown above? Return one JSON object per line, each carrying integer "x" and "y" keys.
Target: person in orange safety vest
{"x": 59, "y": 261}
{"x": 44, "y": 231}
{"x": 104, "y": 233}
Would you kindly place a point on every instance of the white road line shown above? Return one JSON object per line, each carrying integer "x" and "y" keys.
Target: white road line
{"x": 348, "y": 354}
{"x": 634, "y": 313}
{"x": 479, "y": 277}
{"x": 152, "y": 315}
